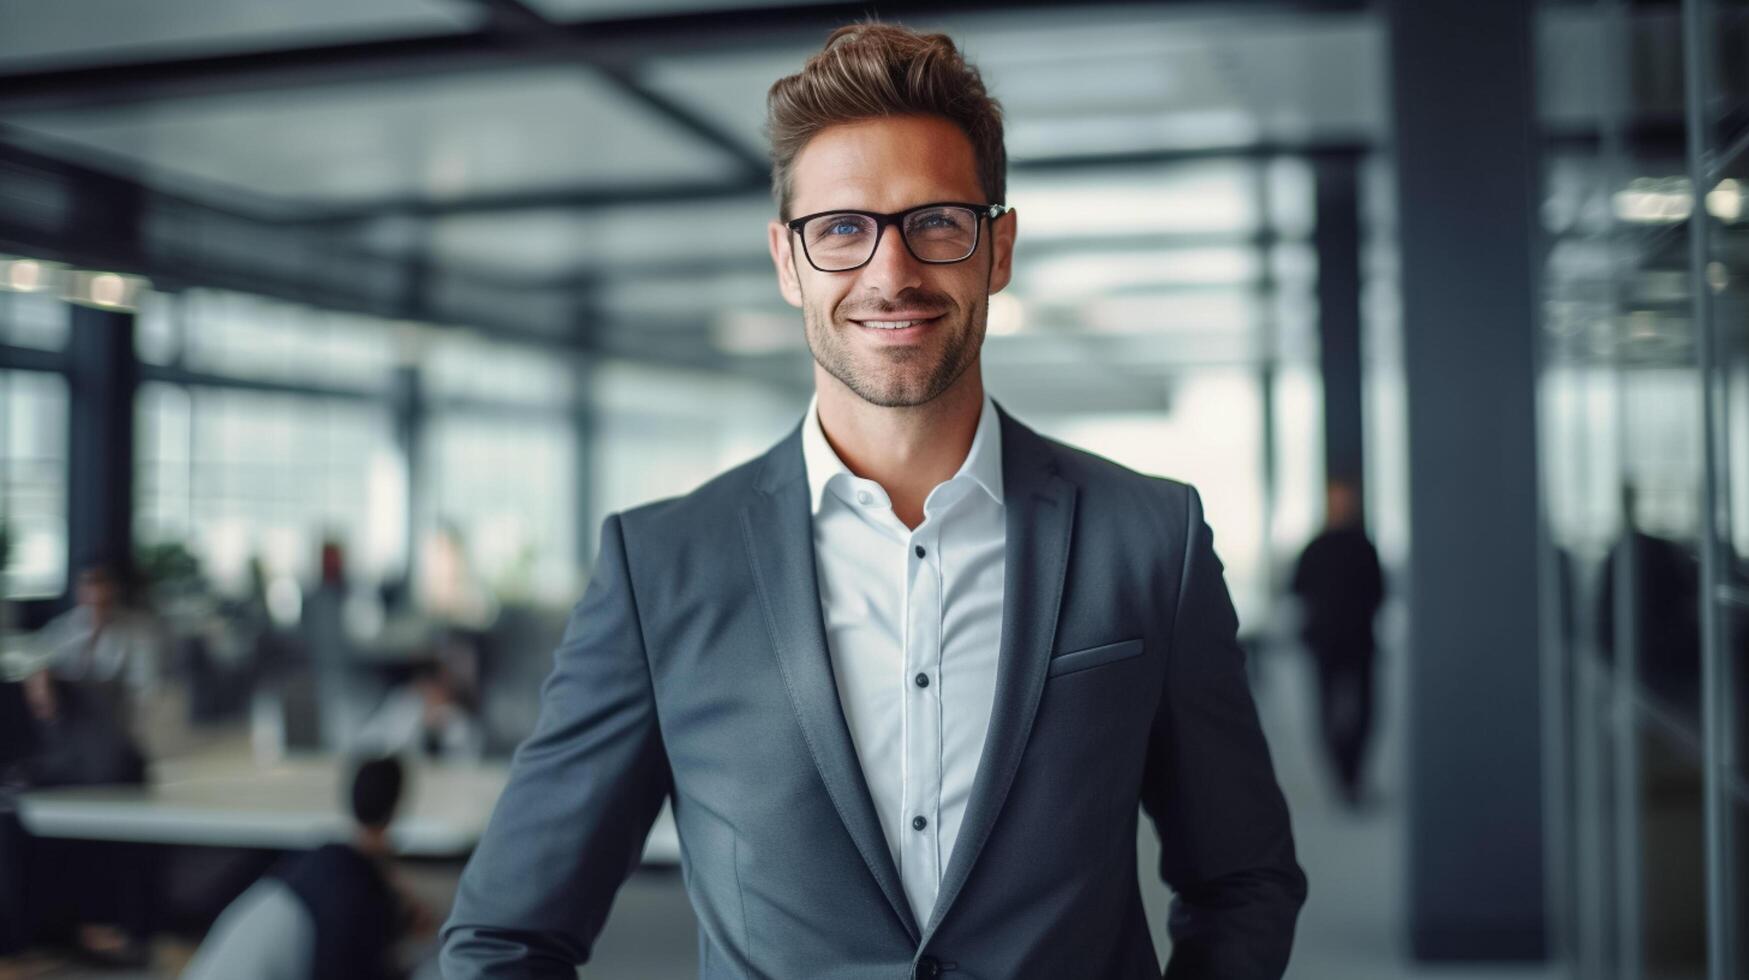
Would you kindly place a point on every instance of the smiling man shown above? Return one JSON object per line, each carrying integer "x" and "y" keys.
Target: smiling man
{"x": 910, "y": 677}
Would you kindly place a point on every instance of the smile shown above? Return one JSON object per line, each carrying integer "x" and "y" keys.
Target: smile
{"x": 897, "y": 324}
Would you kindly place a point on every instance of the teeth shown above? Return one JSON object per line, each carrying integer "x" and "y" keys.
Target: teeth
{"x": 889, "y": 324}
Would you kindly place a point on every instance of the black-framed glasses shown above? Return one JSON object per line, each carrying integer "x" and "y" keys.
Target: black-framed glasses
{"x": 940, "y": 233}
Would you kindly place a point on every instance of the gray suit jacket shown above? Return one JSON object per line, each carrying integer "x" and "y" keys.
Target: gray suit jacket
{"x": 696, "y": 667}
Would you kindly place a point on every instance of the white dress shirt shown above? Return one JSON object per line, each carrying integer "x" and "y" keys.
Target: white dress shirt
{"x": 913, "y": 623}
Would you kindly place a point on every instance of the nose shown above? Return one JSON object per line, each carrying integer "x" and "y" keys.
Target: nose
{"x": 892, "y": 269}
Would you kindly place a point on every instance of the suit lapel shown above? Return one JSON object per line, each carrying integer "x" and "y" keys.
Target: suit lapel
{"x": 778, "y": 528}
{"x": 1040, "y": 514}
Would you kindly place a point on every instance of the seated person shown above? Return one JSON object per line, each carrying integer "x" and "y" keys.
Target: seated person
{"x": 102, "y": 650}
{"x": 333, "y": 913}
{"x": 430, "y": 716}
{"x": 98, "y": 665}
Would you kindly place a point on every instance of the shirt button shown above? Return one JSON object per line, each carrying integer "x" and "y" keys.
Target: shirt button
{"x": 864, "y": 498}
{"x": 921, "y": 552}
{"x": 918, "y": 823}
{"x": 922, "y": 680}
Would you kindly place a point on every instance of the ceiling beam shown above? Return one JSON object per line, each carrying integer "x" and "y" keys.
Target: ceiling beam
{"x": 540, "y": 36}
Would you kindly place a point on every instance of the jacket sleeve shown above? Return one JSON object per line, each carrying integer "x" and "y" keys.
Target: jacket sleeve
{"x": 582, "y": 794}
{"x": 1226, "y": 849}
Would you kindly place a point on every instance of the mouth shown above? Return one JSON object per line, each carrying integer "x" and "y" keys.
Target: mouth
{"x": 895, "y": 329}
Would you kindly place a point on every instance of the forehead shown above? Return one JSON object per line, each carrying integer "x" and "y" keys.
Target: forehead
{"x": 884, "y": 164}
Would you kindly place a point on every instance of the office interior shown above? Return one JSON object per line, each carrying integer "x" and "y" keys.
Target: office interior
{"x": 340, "y": 326}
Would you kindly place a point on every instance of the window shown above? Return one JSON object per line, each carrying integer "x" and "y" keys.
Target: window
{"x": 234, "y": 474}
{"x": 33, "y": 482}
{"x": 507, "y": 486}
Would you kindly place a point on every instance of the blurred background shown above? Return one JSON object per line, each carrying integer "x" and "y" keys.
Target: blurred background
{"x": 330, "y": 332}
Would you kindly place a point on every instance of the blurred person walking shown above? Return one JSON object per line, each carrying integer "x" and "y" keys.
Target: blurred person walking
{"x": 1341, "y": 587}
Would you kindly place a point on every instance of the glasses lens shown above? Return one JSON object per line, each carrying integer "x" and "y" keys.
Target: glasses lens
{"x": 839, "y": 241}
{"x": 945, "y": 234}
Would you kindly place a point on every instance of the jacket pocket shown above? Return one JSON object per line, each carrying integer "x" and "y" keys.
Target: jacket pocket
{"x": 1068, "y": 663}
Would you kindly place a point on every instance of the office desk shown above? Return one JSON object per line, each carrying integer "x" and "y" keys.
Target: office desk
{"x": 223, "y": 799}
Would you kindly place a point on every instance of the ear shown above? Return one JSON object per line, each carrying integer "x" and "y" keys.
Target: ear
{"x": 1002, "y": 231}
{"x": 783, "y": 257}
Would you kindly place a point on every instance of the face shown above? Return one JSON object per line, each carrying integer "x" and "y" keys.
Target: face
{"x": 890, "y": 164}
{"x": 96, "y": 590}
{"x": 1341, "y": 504}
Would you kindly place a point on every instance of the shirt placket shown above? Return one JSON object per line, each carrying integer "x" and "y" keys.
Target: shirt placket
{"x": 922, "y": 701}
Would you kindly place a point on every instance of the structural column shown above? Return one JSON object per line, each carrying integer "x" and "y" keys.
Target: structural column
{"x": 1463, "y": 114}
{"x": 1337, "y": 239}
{"x": 407, "y": 409}
{"x": 104, "y": 375}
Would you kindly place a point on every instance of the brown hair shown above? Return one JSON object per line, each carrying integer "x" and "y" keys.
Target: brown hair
{"x": 870, "y": 70}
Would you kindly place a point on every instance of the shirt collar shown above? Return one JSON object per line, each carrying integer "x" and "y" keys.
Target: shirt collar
{"x": 983, "y": 462}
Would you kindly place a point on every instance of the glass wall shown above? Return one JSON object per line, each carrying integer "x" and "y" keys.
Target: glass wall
{"x": 1644, "y": 474}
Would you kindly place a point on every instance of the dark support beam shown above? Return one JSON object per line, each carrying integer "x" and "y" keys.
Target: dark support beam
{"x": 407, "y": 414}
{"x": 688, "y": 119}
{"x": 1337, "y": 241}
{"x": 586, "y": 198}
{"x": 103, "y": 374}
{"x": 1468, "y": 234}
{"x": 586, "y": 426}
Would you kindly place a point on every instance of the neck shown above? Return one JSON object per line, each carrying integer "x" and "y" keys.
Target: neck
{"x": 909, "y": 450}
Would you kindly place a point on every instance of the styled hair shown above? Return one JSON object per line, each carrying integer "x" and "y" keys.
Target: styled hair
{"x": 871, "y": 70}
{"x": 376, "y": 790}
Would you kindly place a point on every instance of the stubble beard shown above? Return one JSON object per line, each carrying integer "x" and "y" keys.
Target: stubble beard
{"x": 896, "y": 377}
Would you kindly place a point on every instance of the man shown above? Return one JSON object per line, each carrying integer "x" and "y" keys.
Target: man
{"x": 87, "y": 702}
{"x": 907, "y": 676}
{"x": 101, "y": 650}
{"x": 1341, "y": 588}
{"x": 331, "y": 914}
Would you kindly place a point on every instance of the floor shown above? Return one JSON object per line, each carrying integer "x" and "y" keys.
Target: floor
{"x": 1350, "y": 930}
{"x": 1351, "y": 927}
